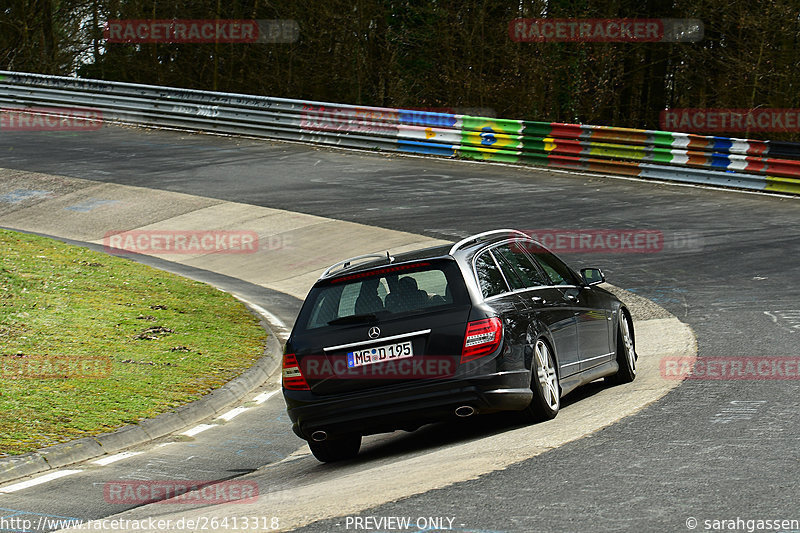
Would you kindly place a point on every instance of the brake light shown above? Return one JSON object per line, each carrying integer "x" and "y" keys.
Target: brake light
{"x": 482, "y": 338}
{"x": 380, "y": 272}
{"x": 292, "y": 376}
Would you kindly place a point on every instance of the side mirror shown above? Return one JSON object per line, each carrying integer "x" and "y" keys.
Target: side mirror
{"x": 592, "y": 276}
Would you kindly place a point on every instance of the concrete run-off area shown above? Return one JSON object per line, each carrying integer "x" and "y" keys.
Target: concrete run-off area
{"x": 292, "y": 251}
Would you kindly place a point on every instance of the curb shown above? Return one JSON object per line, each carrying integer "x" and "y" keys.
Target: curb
{"x": 66, "y": 453}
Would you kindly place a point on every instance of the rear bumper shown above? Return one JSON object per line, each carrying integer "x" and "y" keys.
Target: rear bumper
{"x": 405, "y": 406}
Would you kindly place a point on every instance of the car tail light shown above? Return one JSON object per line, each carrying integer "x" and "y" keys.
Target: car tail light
{"x": 292, "y": 376}
{"x": 482, "y": 338}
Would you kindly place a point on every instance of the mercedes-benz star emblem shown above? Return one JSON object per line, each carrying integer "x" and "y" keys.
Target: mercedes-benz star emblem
{"x": 374, "y": 332}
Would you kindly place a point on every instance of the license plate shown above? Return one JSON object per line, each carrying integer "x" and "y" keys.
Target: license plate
{"x": 388, "y": 352}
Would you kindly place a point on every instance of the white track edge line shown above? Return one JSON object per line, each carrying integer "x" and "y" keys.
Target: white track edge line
{"x": 114, "y": 458}
{"x": 264, "y": 396}
{"x": 38, "y": 481}
{"x": 197, "y": 429}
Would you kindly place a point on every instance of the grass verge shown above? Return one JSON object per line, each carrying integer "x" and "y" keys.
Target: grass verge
{"x": 91, "y": 342}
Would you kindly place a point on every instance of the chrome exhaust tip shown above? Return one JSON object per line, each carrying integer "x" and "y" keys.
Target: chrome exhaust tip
{"x": 464, "y": 411}
{"x": 319, "y": 436}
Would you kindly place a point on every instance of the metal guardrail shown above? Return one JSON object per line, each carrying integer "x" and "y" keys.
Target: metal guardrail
{"x": 722, "y": 161}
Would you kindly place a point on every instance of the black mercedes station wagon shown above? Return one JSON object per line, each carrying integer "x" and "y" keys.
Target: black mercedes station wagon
{"x": 494, "y": 322}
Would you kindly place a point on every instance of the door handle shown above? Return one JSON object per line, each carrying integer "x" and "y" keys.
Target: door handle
{"x": 538, "y": 300}
{"x": 572, "y": 298}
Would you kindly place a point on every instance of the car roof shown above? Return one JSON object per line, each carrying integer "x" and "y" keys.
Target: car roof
{"x": 463, "y": 248}
{"x": 365, "y": 263}
{"x": 474, "y": 243}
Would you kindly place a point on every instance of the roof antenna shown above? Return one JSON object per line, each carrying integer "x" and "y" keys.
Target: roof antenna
{"x": 389, "y": 257}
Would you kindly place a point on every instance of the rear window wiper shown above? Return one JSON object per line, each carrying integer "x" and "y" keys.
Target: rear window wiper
{"x": 353, "y": 319}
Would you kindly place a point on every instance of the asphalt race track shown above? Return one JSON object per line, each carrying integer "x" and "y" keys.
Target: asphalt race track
{"x": 708, "y": 450}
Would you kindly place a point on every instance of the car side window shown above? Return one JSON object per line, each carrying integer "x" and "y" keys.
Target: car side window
{"x": 514, "y": 254}
{"x": 489, "y": 277}
{"x": 558, "y": 272}
{"x": 512, "y": 276}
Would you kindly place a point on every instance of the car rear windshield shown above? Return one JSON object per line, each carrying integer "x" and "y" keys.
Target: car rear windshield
{"x": 384, "y": 292}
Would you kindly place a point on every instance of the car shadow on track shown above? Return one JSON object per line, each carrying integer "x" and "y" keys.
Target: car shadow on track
{"x": 458, "y": 431}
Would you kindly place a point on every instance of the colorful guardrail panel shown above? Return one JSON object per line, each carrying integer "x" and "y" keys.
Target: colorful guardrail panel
{"x": 722, "y": 161}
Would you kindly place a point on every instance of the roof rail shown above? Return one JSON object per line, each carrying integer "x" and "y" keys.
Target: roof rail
{"x": 330, "y": 271}
{"x": 477, "y": 237}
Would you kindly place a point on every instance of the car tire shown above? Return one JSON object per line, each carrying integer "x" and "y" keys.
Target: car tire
{"x": 336, "y": 449}
{"x": 626, "y": 353}
{"x": 546, "y": 399}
